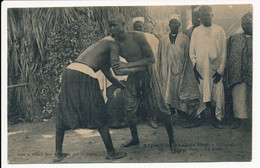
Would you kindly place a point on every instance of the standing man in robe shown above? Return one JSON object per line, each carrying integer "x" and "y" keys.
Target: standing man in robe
{"x": 239, "y": 71}
{"x": 208, "y": 56}
{"x": 177, "y": 79}
{"x": 142, "y": 85}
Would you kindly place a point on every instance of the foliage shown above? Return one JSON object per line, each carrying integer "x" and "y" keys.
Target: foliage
{"x": 41, "y": 42}
{"x": 24, "y": 63}
{"x": 64, "y": 45}
{"x": 101, "y": 15}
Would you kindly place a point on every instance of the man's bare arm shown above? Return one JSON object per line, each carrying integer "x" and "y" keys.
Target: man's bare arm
{"x": 146, "y": 49}
{"x": 107, "y": 72}
{"x": 119, "y": 67}
{"x": 127, "y": 71}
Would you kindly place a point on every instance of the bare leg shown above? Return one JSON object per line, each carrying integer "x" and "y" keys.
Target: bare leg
{"x": 59, "y": 142}
{"x": 169, "y": 130}
{"x": 135, "y": 139}
{"x": 173, "y": 110}
{"x": 105, "y": 135}
{"x": 150, "y": 121}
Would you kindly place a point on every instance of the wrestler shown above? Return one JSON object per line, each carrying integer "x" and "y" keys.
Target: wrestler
{"x": 81, "y": 104}
{"x": 142, "y": 85}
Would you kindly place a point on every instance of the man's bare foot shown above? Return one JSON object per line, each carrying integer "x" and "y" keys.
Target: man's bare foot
{"x": 131, "y": 143}
{"x": 59, "y": 157}
{"x": 115, "y": 155}
{"x": 152, "y": 123}
{"x": 173, "y": 146}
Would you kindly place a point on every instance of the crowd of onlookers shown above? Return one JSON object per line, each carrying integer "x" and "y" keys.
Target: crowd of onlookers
{"x": 221, "y": 79}
{"x": 179, "y": 74}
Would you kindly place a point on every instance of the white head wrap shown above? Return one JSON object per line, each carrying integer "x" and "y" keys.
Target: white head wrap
{"x": 196, "y": 9}
{"x": 175, "y": 16}
{"x": 136, "y": 19}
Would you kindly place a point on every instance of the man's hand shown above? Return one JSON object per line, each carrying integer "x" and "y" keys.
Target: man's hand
{"x": 197, "y": 74}
{"x": 120, "y": 65}
{"x": 107, "y": 72}
{"x": 121, "y": 86}
{"x": 216, "y": 77}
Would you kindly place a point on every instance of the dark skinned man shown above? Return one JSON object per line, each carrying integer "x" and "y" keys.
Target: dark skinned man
{"x": 81, "y": 104}
{"x": 239, "y": 71}
{"x": 208, "y": 55}
{"x": 142, "y": 85}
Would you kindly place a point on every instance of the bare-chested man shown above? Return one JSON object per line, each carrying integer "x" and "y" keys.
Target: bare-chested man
{"x": 81, "y": 104}
{"x": 142, "y": 85}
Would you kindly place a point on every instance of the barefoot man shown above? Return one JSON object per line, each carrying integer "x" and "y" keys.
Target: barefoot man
{"x": 142, "y": 85}
{"x": 81, "y": 104}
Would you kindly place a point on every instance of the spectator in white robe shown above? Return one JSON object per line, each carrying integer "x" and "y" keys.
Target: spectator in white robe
{"x": 208, "y": 56}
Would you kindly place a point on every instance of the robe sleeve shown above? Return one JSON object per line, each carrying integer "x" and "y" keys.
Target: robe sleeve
{"x": 223, "y": 55}
{"x": 192, "y": 48}
{"x": 189, "y": 88}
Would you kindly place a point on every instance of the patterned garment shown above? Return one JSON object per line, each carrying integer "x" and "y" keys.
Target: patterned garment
{"x": 143, "y": 89}
{"x": 239, "y": 60}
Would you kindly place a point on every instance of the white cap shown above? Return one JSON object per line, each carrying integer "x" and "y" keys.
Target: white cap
{"x": 196, "y": 9}
{"x": 136, "y": 19}
{"x": 175, "y": 16}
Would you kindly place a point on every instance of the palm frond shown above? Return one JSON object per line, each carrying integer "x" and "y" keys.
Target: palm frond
{"x": 42, "y": 41}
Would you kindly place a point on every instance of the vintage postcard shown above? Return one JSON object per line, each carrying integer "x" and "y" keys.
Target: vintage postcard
{"x": 140, "y": 84}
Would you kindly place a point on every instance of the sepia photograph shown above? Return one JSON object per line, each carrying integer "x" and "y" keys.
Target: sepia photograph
{"x": 128, "y": 83}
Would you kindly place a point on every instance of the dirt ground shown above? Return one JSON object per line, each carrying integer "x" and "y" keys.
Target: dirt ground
{"x": 35, "y": 143}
